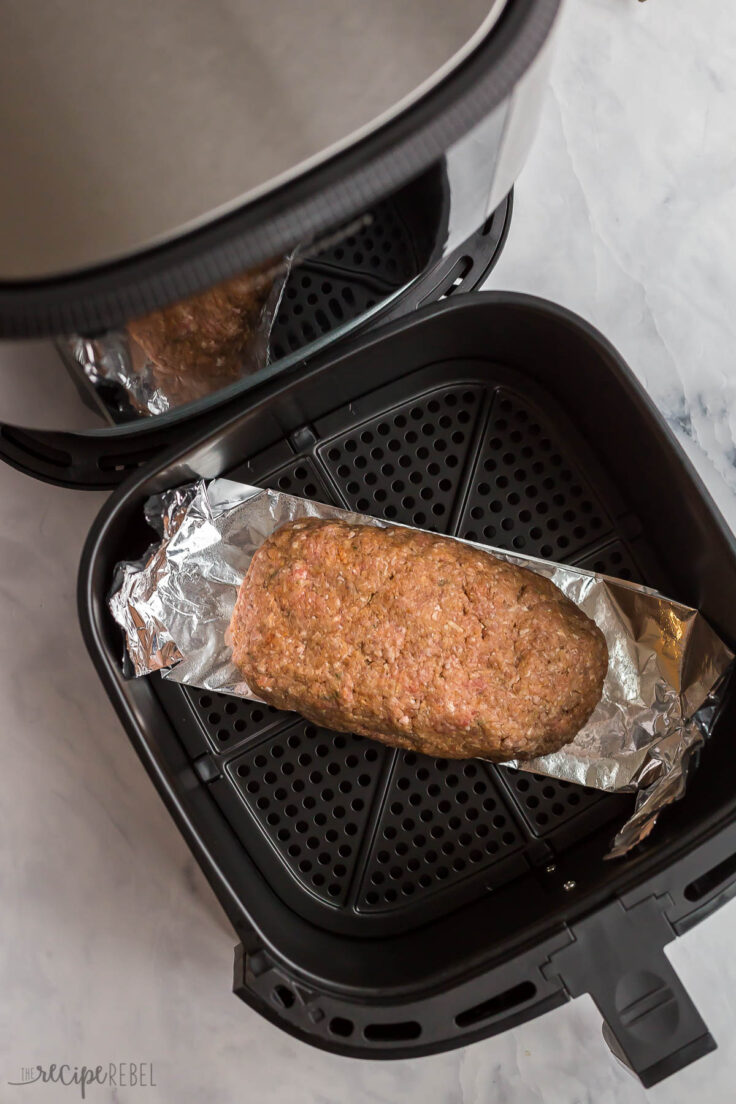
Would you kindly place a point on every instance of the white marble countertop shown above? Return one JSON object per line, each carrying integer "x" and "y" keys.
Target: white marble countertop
{"x": 113, "y": 947}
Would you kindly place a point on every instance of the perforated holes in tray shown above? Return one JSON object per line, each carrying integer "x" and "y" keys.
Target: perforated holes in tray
{"x": 227, "y": 721}
{"x": 299, "y": 477}
{"x": 300, "y": 480}
{"x": 344, "y": 281}
{"x": 316, "y": 301}
{"x": 382, "y": 247}
{"x": 614, "y": 560}
{"x": 546, "y": 803}
{"x": 311, "y": 791}
{"x": 441, "y": 821}
{"x": 526, "y": 494}
{"x": 407, "y": 465}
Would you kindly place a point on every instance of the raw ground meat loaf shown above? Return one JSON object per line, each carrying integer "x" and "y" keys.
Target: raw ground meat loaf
{"x": 198, "y": 345}
{"x": 416, "y": 640}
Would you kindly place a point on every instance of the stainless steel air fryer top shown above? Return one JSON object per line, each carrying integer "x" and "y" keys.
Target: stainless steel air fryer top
{"x": 126, "y": 124}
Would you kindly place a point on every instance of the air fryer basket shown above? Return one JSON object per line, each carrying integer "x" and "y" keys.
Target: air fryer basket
{"x": 389, "y": 903}
{"x": 392, "y": 263}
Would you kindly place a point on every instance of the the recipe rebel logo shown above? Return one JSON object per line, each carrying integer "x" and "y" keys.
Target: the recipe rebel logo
{"x": 116, "y": 1075}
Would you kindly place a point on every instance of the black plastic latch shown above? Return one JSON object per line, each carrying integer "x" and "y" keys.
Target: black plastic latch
{"x": 302, "y": 439}
{"x": 618, "y": 957}
{"x": 207, "y": 767}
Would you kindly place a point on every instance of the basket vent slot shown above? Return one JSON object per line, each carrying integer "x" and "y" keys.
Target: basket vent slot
{"x": 396, "y": 1032}
{"x": 494, "y": 1006}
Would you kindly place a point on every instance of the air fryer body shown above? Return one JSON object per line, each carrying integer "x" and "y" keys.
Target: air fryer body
{"x": 179, "y": 149}
{"x": 385, "y": 904}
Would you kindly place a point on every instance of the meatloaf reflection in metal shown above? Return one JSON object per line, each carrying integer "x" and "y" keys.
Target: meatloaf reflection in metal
{"x": 416, "y": 640}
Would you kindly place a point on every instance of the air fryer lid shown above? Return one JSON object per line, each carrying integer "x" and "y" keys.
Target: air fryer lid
{"x": 151, "y": 118}
{"x": 153, "y": 150}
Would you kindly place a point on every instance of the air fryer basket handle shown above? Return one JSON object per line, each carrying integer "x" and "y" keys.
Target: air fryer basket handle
{"x": 617, "y": 956}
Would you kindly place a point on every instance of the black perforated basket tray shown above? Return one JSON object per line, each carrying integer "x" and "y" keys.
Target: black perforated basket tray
{"x": 390, "y": 903}
{"x": 357, "y": 836}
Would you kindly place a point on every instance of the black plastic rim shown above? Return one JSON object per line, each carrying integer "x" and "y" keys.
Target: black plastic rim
{"x": 312, "y": 204}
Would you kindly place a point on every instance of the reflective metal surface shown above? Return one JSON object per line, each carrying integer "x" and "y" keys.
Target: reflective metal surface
{"x": 127, "y": 124}
{"x": 346, "y": 278}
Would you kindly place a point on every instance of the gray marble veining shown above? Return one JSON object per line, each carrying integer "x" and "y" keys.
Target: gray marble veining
{"x": 112, "y": 946}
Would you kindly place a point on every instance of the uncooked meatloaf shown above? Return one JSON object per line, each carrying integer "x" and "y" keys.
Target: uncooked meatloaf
{"x": 198, "y": 345}
{"x": 416, "y": 640}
